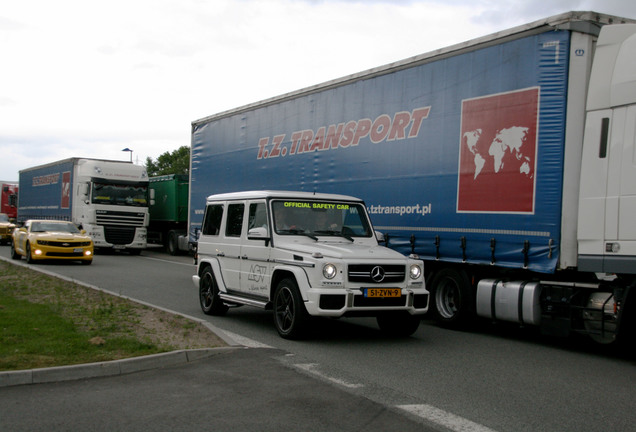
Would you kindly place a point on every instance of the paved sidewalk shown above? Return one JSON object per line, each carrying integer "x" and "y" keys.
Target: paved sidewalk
{"x": 227, "y": 389}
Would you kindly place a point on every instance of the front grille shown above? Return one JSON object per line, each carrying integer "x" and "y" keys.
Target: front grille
{"x": 64, "y": 243}
{"x": 4, "y": 230}
{"x": 119, "y": 235}
{"x": 368, "y": 273}
{"x": 119, "y": 218}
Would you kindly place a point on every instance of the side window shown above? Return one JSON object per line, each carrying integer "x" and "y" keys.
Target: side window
{"x": 234, "y": 220}
{"x": 257, "y": 216}
{"x": 212, "y": 219}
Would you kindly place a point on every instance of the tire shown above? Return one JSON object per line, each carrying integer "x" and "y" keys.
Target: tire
{"x": 211, "y": 303}
{"x": 290, "y": 316}
{"x": 14, "y": 254}
{"x": 453, "y": 298}
{"x": 173, "y": 243}
{"x": 398, "y": 324}
{"x": 27, "y": 252}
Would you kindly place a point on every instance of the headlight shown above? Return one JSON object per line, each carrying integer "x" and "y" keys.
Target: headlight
{"x": 415, "y": 272}
{"x": 329, "y": 271}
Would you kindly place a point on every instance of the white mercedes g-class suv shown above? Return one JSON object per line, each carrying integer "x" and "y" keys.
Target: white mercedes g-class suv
{"x": 302, "y": 254}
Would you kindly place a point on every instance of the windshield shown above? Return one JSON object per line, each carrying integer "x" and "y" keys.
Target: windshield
{"x": 4, "y": 217}
{"x": 54, "y": 226}
{"x": 320, "y": 218}
{"x": 120, "y": 194}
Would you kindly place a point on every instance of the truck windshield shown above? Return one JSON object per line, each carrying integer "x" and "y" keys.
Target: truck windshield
{"x": 320, "y": 218}
{"x": 120, "y": 194}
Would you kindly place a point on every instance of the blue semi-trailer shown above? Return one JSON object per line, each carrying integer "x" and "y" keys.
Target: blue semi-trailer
{"x": 505, "y": 162}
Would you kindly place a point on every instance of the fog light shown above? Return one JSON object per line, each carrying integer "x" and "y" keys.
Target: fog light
{"x": 37, "y": 252}
{"x": 88, "y": 253}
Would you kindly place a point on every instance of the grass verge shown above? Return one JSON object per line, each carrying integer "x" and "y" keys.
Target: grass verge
{"x": 46, "y": 321}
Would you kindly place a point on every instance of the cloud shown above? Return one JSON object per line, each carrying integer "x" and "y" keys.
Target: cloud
{"x": 88, "y": 79}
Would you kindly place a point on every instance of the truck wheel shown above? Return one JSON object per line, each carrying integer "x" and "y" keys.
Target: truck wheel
{"x": 290, "y": 316}
{"x": 211, "y": 303}
{"x": 173, "y": 243}
{"x": 399, "y": 324}
{"x": 14, "y": 254}
{"x": 453, "y": 298}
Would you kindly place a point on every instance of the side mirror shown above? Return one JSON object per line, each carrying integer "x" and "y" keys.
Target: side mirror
{"x": 258, "y": 233}
{"x": 380, "y": 237}
{"x": 83, "y": 190}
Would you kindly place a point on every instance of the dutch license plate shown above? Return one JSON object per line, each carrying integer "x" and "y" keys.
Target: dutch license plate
{"x": 77, "y": 250}
{"x": 119, "y": 247}
{"x": 382, "y": 292}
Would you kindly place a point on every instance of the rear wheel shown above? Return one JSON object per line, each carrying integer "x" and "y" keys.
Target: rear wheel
{"x": 453, "y": 298}
{"x": 290, "y": 316}
{"x": 400, "y": 324}
{"x": 173, "y": 243}
{"x": 211, "y": 303}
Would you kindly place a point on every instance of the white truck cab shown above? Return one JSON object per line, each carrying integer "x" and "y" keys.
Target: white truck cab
{"x": 302, "y": 254}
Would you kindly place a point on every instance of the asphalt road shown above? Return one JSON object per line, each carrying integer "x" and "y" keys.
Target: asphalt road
{"x": 492, "y": 378}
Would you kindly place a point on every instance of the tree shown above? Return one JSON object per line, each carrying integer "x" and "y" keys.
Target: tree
{"x": 175, "y": 162}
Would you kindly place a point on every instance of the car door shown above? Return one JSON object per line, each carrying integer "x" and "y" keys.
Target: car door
{"x": 256, "y": 269}
{"x": 22, "y": 235}
{"x": 229, "y": 245}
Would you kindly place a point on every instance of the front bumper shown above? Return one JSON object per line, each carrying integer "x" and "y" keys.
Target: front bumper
{"x": 352, "y": 302}
{"x": 40, "y": 252}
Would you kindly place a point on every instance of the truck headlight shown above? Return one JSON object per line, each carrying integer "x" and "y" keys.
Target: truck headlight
{"x": 415, "y": 272}
{"x": 329, "y": 271}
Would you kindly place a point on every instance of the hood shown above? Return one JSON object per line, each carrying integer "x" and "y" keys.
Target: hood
{"x": 340, "y": 250}
{"x": 62, "y": 236}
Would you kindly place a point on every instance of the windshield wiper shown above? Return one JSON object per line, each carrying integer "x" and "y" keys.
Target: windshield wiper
{"x": 298, "y": 232}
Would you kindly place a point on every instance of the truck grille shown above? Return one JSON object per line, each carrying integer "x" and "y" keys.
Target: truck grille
{"x": 119, "y": 235}
{"x": 119, "y": 218}
{"x": 376, "y": 273}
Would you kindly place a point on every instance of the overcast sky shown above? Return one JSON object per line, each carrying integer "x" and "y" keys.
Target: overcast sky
{"x": 88, "y": 79}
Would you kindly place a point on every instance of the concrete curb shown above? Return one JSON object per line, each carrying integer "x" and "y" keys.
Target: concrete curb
{"x": 108, "y": 368}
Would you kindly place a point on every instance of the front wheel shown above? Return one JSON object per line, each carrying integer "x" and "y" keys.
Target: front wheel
{"x": 14, "y": 255}
{"x": 27, "y": 252}
{"x": 453, "y": 298}
{"x": 211, "y": 303}
{"x": 290, "y": 316}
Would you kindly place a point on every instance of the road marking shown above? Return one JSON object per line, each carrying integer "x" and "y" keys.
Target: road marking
{"x": 444, "y": 418}
{"x": 247, "y": 342}
{"x": 168, "y": 261}
{"x": 311, "y": 368}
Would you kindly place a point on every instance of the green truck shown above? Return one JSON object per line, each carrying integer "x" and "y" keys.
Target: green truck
{"x": 169, "y": 212}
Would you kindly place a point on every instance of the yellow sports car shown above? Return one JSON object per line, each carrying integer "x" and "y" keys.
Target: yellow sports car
{"x": 47, "y": 239}
{"x": 6, "y": 228}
